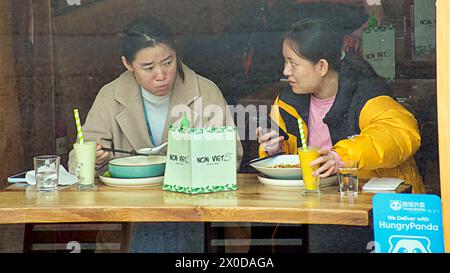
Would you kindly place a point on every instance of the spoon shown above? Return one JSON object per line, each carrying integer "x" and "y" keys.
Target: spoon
{"x": 152, "y": 151}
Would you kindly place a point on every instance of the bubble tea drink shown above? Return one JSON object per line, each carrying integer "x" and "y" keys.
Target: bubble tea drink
{"x": 306, "y": 156}
{"x": 85, "y": 155}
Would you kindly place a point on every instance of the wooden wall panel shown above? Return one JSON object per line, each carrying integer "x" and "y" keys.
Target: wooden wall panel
{"x": 34, "y": 76}
{"x": 11, "y": 149}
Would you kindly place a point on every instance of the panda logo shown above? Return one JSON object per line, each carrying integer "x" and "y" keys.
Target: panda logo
{"x": 409, "y": 244}
{"x": 395, "y": 205}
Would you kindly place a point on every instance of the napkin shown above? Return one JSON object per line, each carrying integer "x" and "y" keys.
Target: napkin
{"x": 382, "y": 184}
{"x": 65, "y": 178}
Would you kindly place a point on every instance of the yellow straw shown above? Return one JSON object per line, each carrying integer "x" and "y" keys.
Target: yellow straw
{"x": 302, "y": 132}
{"x": 80, "y": 138}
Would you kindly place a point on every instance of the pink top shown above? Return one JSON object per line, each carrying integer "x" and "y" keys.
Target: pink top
{"x": 318, "y": 132}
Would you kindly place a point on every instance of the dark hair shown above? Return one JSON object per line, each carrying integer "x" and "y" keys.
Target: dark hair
{"x": 148, "y": 32}
{"x": 316, "y": 39}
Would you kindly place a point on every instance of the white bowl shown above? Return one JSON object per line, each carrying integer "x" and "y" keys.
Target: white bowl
{"x": 267, "y": 167}
{"x": 283, "y": 183}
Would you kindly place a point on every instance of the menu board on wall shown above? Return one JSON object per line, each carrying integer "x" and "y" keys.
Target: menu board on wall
{"x": 424, "y": 30}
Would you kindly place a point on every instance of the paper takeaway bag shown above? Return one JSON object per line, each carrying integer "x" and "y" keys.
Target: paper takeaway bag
{"x": 201, "y": 160}
{"x": 379, "y": 50}
{"x": 424, "y": 30}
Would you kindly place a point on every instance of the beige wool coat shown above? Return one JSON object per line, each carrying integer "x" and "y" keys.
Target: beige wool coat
{"x": 117, "y": 114}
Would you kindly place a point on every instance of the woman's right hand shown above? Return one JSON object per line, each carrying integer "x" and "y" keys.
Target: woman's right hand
{"x": 271, "y": 145}
{"x": 101, "y": 156}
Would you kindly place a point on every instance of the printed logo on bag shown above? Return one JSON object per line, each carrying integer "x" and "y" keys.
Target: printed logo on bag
{"x": 182, "y": 159}
{"x": 427, "y": 21}
{"x": 214, "y": 159}
{"x": 379, "y": 55}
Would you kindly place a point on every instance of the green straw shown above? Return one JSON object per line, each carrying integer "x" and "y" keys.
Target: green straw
{"x": 80, "y": 138}
{"x": 302, "y": 132}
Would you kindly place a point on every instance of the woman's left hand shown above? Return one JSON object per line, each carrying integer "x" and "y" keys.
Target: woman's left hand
{"x": 326, "y": 163}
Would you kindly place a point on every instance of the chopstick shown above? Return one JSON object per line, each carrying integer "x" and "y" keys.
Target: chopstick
{"x": 264, "y": 158}
{"x": 121, "y": 151}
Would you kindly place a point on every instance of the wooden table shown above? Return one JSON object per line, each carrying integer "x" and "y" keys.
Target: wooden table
{"x": 252, "y": 202}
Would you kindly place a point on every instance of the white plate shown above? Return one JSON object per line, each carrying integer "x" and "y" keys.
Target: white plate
{"x": 265, "y": 168}
{"x": 270, "y": 182}
{"x": 132, "y": 182}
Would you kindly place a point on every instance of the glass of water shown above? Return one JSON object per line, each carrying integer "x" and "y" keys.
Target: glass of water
{"x": 46, "y": 170}
{"x": 348, "y": 178}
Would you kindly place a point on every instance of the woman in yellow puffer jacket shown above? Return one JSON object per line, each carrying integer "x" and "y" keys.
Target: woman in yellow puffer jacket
{"x": 347, "y": 108}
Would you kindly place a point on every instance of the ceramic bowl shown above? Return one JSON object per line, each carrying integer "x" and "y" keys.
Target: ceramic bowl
{"x": 272, "y": 167}
{"x": 137, "y": 166}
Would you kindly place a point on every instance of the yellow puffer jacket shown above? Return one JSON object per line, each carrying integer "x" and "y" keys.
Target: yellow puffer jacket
{"x": 388, "y": 139}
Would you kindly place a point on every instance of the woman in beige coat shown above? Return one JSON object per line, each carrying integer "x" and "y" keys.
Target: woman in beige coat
{"x": 134, "y": 111}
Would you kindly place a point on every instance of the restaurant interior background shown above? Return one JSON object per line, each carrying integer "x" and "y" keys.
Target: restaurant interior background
{"x": 55, "y": 57}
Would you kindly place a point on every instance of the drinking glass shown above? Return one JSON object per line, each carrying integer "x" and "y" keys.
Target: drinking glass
{"x": 306, "y": 156}
{"x": 46, "y": 170}
{"x": 348, "y": 178}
